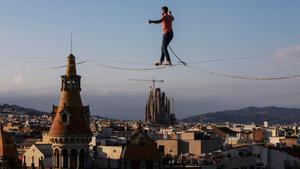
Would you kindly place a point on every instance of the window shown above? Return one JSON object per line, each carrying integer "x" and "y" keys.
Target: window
{"x": 142, "y": 165}
{"x": 73, "y": 159}
{"x": 41, "y": 162}
{"x": 65, "y": 158}
{"x": 81, "y": 159}
{"x": 155, "y": 165}
{"x": 128, "y": 165}
{"x": 64, "y": 118}
{"x": 56, "y": 154}
{"x": 161, "y": 149}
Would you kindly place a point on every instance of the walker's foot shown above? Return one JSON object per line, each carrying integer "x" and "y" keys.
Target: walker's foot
{"x": 158, "y": 63}
{"x": 168, "y": 63}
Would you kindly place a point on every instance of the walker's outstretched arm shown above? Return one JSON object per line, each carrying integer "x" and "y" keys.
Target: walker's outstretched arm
{"x": 155, "y": 21}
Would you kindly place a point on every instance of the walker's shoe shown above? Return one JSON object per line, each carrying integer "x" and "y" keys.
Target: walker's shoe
{"x": 168, "y": 63}
{"x": 158, "y": 63}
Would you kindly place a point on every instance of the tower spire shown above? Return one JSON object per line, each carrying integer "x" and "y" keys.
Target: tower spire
{"x": 71, "y": 43}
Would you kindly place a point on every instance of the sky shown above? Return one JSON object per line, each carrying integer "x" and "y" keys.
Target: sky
{"x": 36, "y": 34}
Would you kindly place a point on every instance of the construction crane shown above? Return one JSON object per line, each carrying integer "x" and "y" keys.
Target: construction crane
{"x": 147, "y": 80}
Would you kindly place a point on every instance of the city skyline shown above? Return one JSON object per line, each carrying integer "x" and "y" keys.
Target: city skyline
{"x": 220, "y": 30}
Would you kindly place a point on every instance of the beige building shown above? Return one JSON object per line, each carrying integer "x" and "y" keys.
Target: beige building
{"x": 108, "y": 156}
{"x": 189, "y": 142}
{"x": 275, "y": 140}
{"x": 290, "y": 141}
{"x": 38, "y": 155}
{"x": 45, "y": 139}
{"x": 172, "y": 147}
{"x": 112, "y": 152}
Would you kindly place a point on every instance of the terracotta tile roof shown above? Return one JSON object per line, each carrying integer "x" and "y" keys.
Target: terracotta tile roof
{"x": 77, "y": 125}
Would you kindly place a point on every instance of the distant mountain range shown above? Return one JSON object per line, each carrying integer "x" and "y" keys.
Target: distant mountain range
{"x": 257, "y": 115}
{"x": 7, "y": 108}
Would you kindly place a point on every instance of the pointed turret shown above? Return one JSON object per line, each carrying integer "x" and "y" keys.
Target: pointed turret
{"x": 71, "y": 118}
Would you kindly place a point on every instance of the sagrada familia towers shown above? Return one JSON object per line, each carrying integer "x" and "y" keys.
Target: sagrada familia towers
{"x": 70, "y": 133}
{"x": 158, "y": 108}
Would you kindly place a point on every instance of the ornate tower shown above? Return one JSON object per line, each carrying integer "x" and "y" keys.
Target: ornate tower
{"x": 70, "y": 132}
{"x": 157, "y": 110}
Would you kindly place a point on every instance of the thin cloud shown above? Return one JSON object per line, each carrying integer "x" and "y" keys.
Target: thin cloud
{"x": 18, "y": 79}
{"x": 289, "y": 52}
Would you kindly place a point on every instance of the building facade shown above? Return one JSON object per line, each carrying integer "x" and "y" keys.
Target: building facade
{"x": 38, "y": 156}
{"x": 189, "y": 143}
{"x": 141, "y": 152}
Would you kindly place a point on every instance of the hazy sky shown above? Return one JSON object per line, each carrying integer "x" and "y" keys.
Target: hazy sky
{"x": 36, "y": 33}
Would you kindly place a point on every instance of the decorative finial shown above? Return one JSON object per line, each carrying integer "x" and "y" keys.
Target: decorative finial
{"x": 71, "y": 42}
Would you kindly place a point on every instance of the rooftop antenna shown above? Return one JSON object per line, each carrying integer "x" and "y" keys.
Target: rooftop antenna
{"x": 71, "y": 42}
{"x": 148, "y": 80}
